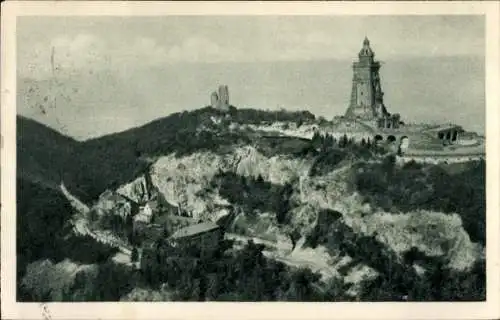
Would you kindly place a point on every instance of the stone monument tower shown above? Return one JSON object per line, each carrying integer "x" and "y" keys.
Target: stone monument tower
{"x": 366, "y": 95}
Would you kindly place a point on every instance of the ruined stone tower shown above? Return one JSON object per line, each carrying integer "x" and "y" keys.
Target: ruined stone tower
{"x": 366, "y": 95}
{"x": 223, "y": 97}
{"x": 214, "y": 100}
{"x": 220, "y": 100}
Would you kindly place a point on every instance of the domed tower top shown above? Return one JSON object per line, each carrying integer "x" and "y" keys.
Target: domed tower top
{"x": 366, "y": 94}
{"x": 366, "y": 51}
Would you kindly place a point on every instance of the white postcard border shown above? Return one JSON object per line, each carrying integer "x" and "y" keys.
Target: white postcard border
{"x": 219, "y": 310}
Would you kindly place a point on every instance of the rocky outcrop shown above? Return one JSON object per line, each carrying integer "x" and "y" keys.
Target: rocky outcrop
{"x": 183, "y": 180}
{"x": 186, "y": 181}
{"x": 113, "y": 203}
{"x": 135, "y": 191}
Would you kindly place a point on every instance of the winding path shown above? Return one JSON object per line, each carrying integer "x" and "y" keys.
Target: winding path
{"x": 80, "y": 225}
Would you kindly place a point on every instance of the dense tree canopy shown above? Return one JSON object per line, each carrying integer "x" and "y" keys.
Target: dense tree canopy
{"x": 431, "y": 187}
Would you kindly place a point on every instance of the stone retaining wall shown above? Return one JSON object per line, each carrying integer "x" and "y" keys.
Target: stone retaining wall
{"x": 442, "y": 158}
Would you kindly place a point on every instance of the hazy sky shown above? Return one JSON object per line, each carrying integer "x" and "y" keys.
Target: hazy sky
{"x": 84, "y": 45}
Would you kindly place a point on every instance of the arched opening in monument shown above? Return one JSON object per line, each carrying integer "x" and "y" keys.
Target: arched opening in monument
{"x": 391, "y": 139}
{"x": 378, "y": 138}
{"x": 448, "y": 135}
{"x": 441, "y": 135}
{"x": 454, "y": 137}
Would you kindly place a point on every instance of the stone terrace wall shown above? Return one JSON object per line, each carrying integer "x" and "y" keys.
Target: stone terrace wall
{"x": 442, "y": 159}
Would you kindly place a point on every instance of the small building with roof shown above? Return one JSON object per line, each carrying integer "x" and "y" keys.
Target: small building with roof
{"x": 205, "y": 236}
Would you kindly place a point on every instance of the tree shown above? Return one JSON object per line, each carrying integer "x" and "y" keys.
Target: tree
{"x": 334, "y": 141}
{"x": 329, "y": 140}
{"x": 302, "y": 285}
{"x": 165, "y": 233}
{"x": 135, "y": 255}
{"x": 300, "y": 122}
{"x": 282, "y": 204}
{"x": 294, "y": 236}
{"x": 260, "y": 179}
{"x": 343, "y": 141}
{"x": 316, "y": 139}
{"x": 388, "y": 164}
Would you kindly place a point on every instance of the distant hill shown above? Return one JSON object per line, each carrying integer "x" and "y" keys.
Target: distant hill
{"x": 88, "y": 168}
{"x": 43, "y": 154}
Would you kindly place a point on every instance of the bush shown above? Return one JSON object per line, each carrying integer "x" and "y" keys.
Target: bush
{"x": 253, "y": 116}
{"x": 135, "y": 255}
{"x": 327, "y": 161}
{"x": 113, "y": 281}
{"x": 254, "y": 194}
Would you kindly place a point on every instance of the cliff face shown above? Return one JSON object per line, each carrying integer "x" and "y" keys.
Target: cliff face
{"x": 188, "y": 181}
{"x": 181, "y": 179}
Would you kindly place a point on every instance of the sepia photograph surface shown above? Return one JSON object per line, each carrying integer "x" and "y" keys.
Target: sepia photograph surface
{"x": 224, "y": 156}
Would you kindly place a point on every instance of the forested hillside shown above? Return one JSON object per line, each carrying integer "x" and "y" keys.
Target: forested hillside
{"x": 91, "y": 166}
{"x": 401, "y": 231}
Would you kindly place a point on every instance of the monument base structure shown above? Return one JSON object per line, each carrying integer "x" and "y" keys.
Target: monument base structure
{"x": 368, "y": 118}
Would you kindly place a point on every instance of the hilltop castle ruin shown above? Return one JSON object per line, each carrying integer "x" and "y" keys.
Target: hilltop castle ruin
{"x": 220, "y": 100}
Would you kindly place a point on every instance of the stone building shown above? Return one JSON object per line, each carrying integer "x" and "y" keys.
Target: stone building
{"x": 204, "y": 236}
{"x": 367, "y": 97}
